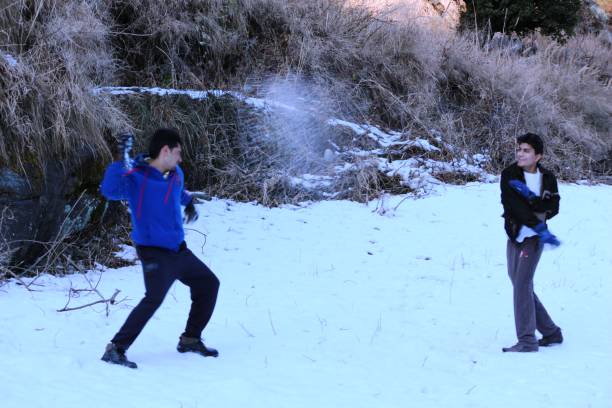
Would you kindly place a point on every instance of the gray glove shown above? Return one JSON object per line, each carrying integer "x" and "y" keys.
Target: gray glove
{"x": 200, "y": 196}
{"x": 191, "y": 214}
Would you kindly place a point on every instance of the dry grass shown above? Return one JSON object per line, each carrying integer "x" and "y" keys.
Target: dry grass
{"x": 563, "y": 92}
{"x": 373, "y": 67}
{"x": 398, "y": 74}
{"x": 366, "y": 182}
{"x": 413, "y": 79}
{"x": 47, "y": 111}
{"x": 220, "y": 43}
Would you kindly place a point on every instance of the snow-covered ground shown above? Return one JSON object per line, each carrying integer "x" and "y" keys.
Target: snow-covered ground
{"x": 11, "y": 61}
{"x": 336, "y": 304}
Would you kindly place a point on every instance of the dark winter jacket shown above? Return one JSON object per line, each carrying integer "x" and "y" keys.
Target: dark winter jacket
{"x": 154, "y": 199}
{"x": 518, "y": 210}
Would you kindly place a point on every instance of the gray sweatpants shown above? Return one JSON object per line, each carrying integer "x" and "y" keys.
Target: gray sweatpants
{"x": 529, "y": 313}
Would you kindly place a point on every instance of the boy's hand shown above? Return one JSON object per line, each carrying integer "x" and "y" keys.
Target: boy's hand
{"x": 546, "y": 237}
{"x": 522, "y": 189}
{"x": 126, "y": 141}
{"x": 191, "y": 214}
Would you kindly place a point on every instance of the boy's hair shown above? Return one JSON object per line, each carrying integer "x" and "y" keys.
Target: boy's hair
{"x": 163, "y": 137}
{"x": 532, "y": 140}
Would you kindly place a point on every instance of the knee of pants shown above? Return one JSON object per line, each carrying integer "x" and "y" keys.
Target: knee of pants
{"x": 215, "y": 283}
{"x": 207, "y": 285}
{"x": 153, "y": 301}
{"x": 212, "y": 283}
{"x": 523, "y": 284}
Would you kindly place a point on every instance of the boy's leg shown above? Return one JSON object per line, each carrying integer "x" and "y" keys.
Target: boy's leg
{"x": 544, "y": 323}
{"x": 157, "y": 267}
{"x": 529, "y": 253}
{"x": 204, "y": 287}
{"x": 512, "y": 254}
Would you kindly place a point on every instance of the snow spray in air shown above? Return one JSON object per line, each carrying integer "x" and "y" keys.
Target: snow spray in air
{"x": 296, "y": 122}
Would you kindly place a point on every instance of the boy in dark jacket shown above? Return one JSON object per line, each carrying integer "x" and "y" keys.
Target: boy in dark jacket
{"x": 153, "y": 188}
{"x": 530, "y": 196}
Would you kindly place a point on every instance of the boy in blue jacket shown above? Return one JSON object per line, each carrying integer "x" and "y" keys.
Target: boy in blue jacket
{"x": 153, "y": 188}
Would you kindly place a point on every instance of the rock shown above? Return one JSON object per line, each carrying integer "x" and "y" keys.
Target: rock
{"x": 14, "y": 185}
{"x": 512, "y": 44}
{"x": 43, "y": 207}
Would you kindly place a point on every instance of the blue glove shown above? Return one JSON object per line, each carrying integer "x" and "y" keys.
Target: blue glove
{"x": 126, "y": 141}
{"x": 522, "y": 189}
{"x": 546, "y": 237}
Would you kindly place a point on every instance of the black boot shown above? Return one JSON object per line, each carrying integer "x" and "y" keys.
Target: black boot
{"x": 195, "y": 345}
{"x": 115, "y": 355}
{"x": 521, "y": 348}
{"x": 555, "y": 338}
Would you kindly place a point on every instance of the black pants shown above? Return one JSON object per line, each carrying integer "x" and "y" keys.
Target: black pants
{"x": 161, "y": 267}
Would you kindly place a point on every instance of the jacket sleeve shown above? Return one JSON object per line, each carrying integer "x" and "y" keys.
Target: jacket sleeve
{"x": 550, "y": 205}
{"x": 515, "y": 205}
{"x": 185, "y": 197}
{"x": 115, "y": 184}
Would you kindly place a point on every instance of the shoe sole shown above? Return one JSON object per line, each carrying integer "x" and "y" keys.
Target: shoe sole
{"x": 509, "y": 350}
{"x": 109, "y": 361}
{"x": 556, "y": 343}
{"x": 215, "y": 355}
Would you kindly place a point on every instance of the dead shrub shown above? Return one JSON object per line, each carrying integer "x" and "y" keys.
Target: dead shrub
{"x": 456, "y": 177}
{"x": 219, "y": 43}
{"x": 47, "y": 110}
{"x": 365, "y": 182}
{"x": 397, "y": 74}
{"x": 494, "y": 97}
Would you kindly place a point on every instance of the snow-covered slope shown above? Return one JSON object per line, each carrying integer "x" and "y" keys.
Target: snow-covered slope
{"x": 395, "y": 304}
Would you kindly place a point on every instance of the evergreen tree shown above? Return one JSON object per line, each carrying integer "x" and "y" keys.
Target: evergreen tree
{"x": 551, "y": 17}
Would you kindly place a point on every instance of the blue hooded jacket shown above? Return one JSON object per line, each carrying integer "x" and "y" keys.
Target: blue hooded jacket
{"x": 154, "y": 199}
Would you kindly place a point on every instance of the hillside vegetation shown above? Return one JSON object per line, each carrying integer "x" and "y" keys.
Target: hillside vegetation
{"x": 465, "y": 95}
{"x": 395, "y": 74}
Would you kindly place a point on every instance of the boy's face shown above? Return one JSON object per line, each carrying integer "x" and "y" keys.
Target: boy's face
{"x": 526, "y": 157}
{"x": 171, "y": 157}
